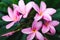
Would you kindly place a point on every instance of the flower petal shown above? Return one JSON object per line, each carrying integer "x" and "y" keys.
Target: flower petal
{"x": 47, "y": 17}
{"x": 54, "y": 23}
{"x": 39, "y": 36}
{"x": 25, "y": 15}
{"x": 37, "y": 17}
{"x": 42, "y": 6}
{"x": 52, "y": 30}
{"x": 35, "y": 6}
{"x": 6, "y": 18}
{"x": 30, "y": 36}
{"x": 8, "y": 34}
{"x": 10, "y": 12}
{"x": 16, "y": 13}
{"x": 20, "y": 17}
{"x": 26, "y": 30}
{"x": 9, "y": 25}
{"x": 15, "y": 6}
{"x": 28, "y": 8}
{"x": 22, "y": 6}
{"x": 45, "y": 29}
{"x": 36, "y": 25}
{"x": 50, "y": 11}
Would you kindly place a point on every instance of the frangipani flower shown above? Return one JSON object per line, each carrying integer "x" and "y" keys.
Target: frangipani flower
{"x": 22, "y": 8}
{"x": 43, "y": 12}
{"x": 34, "y": 31}
{"x": 8, "y": 34}
{"x": 49, "y": 26}
{"x": 13, "y": 17}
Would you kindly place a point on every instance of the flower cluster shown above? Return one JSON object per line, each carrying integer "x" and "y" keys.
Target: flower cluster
{"x": 43, "y": 13}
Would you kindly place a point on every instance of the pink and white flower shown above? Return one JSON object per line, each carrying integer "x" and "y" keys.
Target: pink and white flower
{"x": 49, "y": 26}
{"x": 43, "y": 12}
{"x": 13, "y": 17}
{"x": 22, "y": 8}
{"x": 34, "y": 31}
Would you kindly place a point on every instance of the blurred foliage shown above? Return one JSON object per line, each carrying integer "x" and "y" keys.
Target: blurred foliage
{"x": 4, "y": 4}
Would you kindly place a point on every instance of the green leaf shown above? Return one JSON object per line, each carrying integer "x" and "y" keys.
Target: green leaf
{"x": 3, "y": 38}
{"x": 26, "y": 1}
{"x": 37, "y": 1}
{"x": 10, "y": 1}
{"x": 52, "y": 37}
{"x": 24, "y": 37}
{"x": 3, "y": 7}
{"x": 52, "y": 3}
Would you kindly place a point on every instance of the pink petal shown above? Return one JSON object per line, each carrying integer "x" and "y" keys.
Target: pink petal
{"x": 20, "y": 17}
{"x": 37, "y": 17}
{"x": 39, "y": 36}
{"x": 15, "y": 6}
{"x": 50, "y": 11}
{"x": 25, "y": 15}
{"x": 22, "y": 6}
{"x": 28, "y": 8}
{"x": 54, "y": 23}
{"x": 8, "y": 34}
{"x": 27, "y": 30}
{"x": 36, "y": 25}
{"x": 42, "y": 6}
{"x": 16, "y": 13}
{"x": 9, "y": 25}
{"x": 10, "y": 12}
{"x": 52, "y": 30}
{"x": 45, "y": 29}
{"x": 47, "y": 17}
{"x": 35, "y": 6}
{"x": 6, "y": 18}
{"x": 30, "y": 36}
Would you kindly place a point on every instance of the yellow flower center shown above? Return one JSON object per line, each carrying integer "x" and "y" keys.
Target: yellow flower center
{"x": 40, "y": 13}
{"x": 34, "y": 30}
{"x": 15, "y": 18}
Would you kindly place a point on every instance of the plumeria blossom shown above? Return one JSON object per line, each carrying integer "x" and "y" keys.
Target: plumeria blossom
{"x": 8, "y": 34}
{"x": 22, "y": 8}
{"x": 34, "y": 31}
{"x": 49, "y": 26}
{"x": 13, "y": 17}
{"x": 43, "y": 12}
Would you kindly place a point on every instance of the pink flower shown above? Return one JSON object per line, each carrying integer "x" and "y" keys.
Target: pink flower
{"x": 22, "y": 8}
{"x": 43, "y": 12}
{"x": 13, "y": 17}
{"x": 34, "y": 31}
{"x": 49, "y": 26}
{"x": 8, "y": 34}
